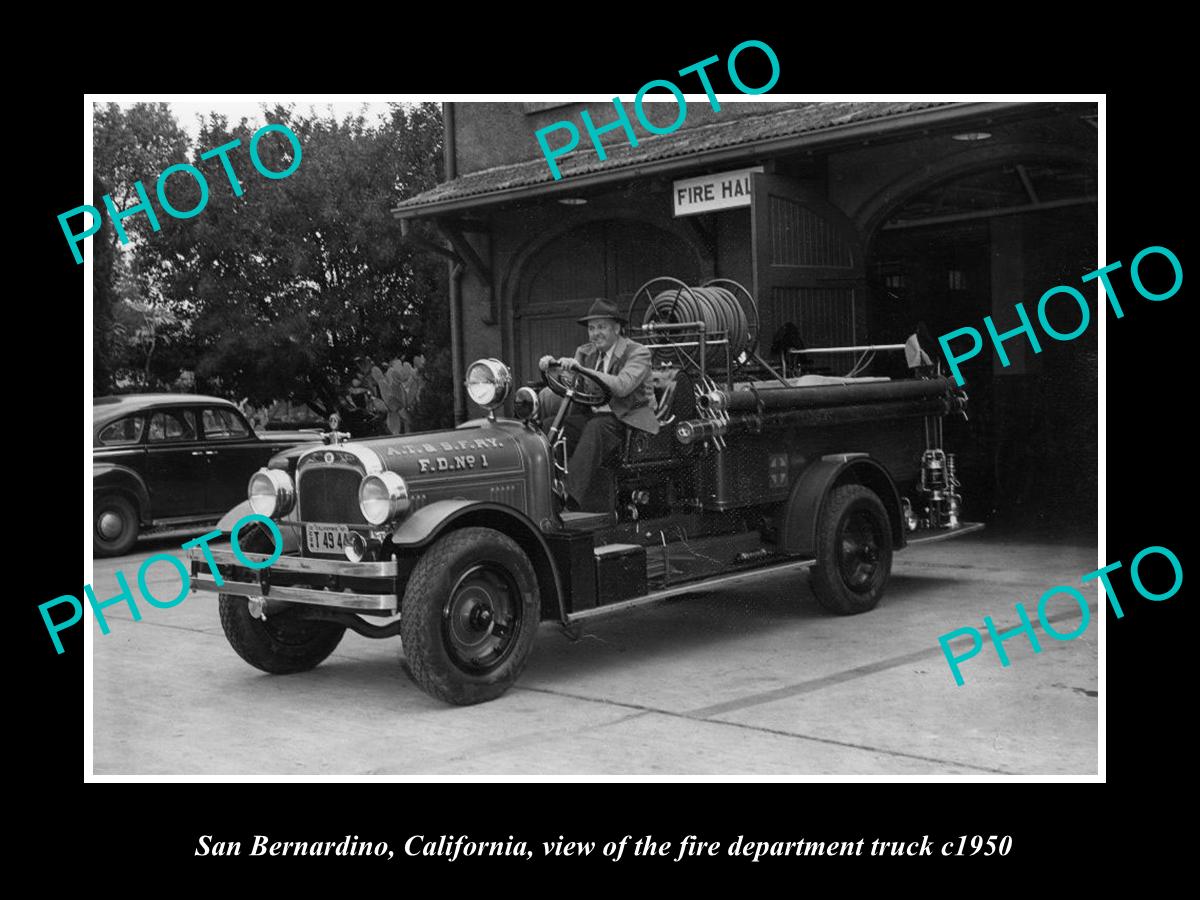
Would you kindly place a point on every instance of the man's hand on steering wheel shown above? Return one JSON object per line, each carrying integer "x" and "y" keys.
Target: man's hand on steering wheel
{"x": 594, "y": 394}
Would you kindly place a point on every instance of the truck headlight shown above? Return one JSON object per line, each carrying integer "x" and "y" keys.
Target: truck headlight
{"x": 488, "y": 382}
{"x": 525, "y": 404}
{"x": 382, "y": 497}
{"x": 271, "y": 493}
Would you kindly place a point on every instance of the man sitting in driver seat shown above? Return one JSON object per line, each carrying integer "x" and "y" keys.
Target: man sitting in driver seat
{"x": 622, "y": 366}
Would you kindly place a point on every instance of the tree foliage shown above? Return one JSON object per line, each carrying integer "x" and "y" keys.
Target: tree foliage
{"x": 131, "y": 145}
{"x": 128, "y": 145}
{"x": 140, "y": 329}
{"x": 286, "y": 285}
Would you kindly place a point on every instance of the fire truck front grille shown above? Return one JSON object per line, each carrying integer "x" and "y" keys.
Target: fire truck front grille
{"x": 330, "y": 494}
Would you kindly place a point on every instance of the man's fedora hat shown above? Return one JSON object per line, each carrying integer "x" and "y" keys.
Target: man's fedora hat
{"x": 603, "y": 309}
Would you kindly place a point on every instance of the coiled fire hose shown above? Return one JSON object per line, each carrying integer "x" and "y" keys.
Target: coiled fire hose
{"x": 715, "y": 306}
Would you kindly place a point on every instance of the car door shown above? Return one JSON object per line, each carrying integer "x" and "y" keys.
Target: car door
{"x": 233, "y": 453}
{"x": 175, "y": 463}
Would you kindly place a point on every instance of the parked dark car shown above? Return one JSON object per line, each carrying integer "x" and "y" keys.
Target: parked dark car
{"x": 165, "y": 462}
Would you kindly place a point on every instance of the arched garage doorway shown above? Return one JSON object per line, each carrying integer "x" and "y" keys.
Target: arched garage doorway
{"x": 972, "y": 245}
{"x": 610, "y": 258}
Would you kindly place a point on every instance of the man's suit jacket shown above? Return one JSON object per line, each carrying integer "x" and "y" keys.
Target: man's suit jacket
{"x": 632, "y": 393}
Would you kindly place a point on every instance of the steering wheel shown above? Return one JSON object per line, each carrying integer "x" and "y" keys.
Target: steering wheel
{"x": 594, "y": 395}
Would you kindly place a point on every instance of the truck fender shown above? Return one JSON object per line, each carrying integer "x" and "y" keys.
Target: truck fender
{"x": 234, "y": 516}
{"x": 114, "y": 477}
{"x": 428, "y": 523}
{"x": 291, "y": 536}
{"x": 798, "y": 532}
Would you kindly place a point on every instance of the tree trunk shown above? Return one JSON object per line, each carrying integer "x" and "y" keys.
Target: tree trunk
{"x": 149, "y": 354}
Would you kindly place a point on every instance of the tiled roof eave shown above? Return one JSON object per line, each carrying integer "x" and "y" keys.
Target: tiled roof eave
{"x": 625, "y": 170}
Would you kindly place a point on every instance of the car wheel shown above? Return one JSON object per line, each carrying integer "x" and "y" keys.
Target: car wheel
{"x": 469, "y": 616}
{"x": 115, "y": 528}
{"x": 282, "y": 643}
{"x": 854, "y": 551}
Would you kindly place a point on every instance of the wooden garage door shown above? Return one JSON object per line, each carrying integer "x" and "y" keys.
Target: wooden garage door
{"x": 603, "y": 259}
{"x": 808, "y": 267}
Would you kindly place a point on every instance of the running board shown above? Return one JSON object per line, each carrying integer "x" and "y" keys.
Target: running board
{"x": 689, "y": 588}
{"x": 166, "y": 528}
{"x": 943, "y": 534}
{"x": 720, "y": 581}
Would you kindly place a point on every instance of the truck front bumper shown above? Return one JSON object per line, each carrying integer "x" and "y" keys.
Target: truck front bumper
{"x": 339, "y": 584}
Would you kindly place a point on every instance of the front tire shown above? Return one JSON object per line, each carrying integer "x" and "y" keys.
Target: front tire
{"x": 854, "y": 551}
{"x": 469, "y": 616}
{"x": 281, "y": 644}
{"x": 115, "y": 527}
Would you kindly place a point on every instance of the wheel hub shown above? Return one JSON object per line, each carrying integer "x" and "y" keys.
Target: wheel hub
{"x": 109, "y": 525}
{"x": 481, "y": 618}
{"x": 858, "y": 552}
{"x": 471, "y": 616}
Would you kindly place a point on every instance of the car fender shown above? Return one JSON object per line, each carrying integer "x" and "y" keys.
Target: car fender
{"x": 427, "y": 524}
{"x": 798, "y": 533}
{"x": 107, "y": 476}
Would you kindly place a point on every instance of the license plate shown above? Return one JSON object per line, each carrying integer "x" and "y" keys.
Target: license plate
{"x": 327, "y": 538}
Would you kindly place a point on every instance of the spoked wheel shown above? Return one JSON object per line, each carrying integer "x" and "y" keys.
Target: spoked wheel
{"x": 854, "y": 551}
{"x": 469, "y": 616}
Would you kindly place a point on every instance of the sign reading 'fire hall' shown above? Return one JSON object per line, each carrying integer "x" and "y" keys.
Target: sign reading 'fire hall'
{"x": 723, "y": 190}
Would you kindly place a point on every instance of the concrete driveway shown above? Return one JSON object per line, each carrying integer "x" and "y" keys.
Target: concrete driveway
{"x": 753, "y": 680}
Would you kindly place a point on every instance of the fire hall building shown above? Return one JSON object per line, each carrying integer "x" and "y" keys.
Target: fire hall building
{"x": 852, "y": 221}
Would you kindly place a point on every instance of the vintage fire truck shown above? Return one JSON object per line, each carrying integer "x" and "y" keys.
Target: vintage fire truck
{"x": 458, "y": 541}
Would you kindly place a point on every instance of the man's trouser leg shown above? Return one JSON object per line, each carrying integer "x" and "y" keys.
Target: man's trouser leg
{"x": 601, "y": 437}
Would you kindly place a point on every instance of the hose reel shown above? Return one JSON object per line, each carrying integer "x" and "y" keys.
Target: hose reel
{"x": 721, "y": 305}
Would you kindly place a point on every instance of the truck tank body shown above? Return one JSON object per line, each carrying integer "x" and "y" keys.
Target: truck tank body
{"x": 772, "y": 434}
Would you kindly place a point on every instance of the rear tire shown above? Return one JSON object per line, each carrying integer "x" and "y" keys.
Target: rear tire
{"x": 469, "y": 616}
{"x": 115, "y": 525}
{"x": 854, "y": 551}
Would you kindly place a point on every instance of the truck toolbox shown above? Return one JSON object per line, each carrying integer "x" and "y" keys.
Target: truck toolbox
{"x": 620, "y": 572}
